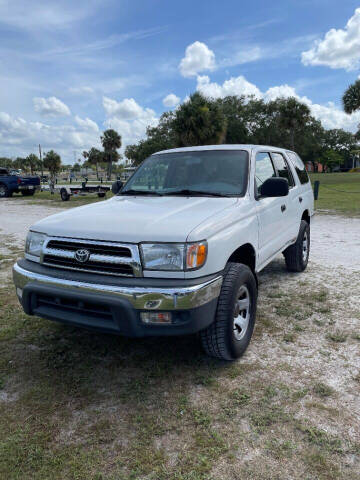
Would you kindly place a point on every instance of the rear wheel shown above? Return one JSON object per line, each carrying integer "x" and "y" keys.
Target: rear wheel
{"x": 4, "y": 191}
{"x": 229, "y": 335}
{"x": 297, "y": 255}
{"x": 64, "y": 195}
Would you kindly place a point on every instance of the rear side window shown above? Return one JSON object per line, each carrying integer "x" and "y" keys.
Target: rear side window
{"x": 264, "y": 168}
{"x": 299, "y": 167}
{"x": 282, "y": 168}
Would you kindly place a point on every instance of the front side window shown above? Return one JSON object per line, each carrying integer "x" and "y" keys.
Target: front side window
{"x": 282, "y": 168}
{"x": 214, "y": 172}
{"x": 299, "y": 167}
{"x": 264, "y": 168}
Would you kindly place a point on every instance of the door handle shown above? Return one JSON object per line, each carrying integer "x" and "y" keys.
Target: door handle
{"x": 283, "y": 208}
{"x": 300, "y": 199}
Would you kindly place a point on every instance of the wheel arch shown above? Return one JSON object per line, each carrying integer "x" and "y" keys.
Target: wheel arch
{"x": 245, "y": 254}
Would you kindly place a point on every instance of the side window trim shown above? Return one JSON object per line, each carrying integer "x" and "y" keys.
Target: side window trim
{"x": 257, "y": 196}
{"x": 288, "y": 166}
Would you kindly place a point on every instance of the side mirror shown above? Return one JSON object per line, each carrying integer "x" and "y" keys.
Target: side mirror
{"x": 274, "y": 187}
{"x": 116, "y": 187}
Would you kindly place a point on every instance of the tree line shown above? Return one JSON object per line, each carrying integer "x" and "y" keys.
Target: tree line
{"x": 110, "y": 140}
{"x": 283, "y": 122}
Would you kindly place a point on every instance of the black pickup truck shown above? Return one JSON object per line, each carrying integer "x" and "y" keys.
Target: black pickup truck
{"x": 10, "y": 184}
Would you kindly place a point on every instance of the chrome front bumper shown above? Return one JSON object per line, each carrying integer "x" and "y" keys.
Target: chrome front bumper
{"x": 140, "y": 298}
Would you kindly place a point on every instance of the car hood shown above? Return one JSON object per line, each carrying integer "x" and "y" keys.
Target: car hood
{"x": 135, "y": 219}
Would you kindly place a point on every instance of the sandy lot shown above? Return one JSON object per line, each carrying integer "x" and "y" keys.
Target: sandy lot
{"x": 289, "y": 409}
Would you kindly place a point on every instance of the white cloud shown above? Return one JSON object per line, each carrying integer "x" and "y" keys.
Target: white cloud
{"x": 241, "y": 56}
{"x": 127, "y": 109}
{"x": 281, "y": 91}
{"x": 51, "y": 107}
{"x": 19, "y": 137}
{"x": 233, "y": 86}
{"x": 171, "y": 100}
{"x": 339, "y": 48}
{"x": 128, "y": 118}
{"x": 198, "y": 57}
{"x": 84, "y": 90}
{"x": 86, "y": 124}
{"x": 332, "y": 117}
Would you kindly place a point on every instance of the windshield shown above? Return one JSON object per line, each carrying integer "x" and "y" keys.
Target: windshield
{"x": 213, "y": 172}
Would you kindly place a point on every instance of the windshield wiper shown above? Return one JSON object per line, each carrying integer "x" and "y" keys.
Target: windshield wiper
{"x": 186, "y": 191}
{"x": 140, "y": 192}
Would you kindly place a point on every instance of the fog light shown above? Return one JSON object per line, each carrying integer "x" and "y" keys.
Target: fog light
{"x": 19, "y": 292}
{"x": 155, "y": 317}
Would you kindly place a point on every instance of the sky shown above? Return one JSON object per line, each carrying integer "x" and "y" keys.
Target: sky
{"x": 71, "y": 69}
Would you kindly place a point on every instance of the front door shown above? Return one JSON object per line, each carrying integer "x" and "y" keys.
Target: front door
{"x": 271, "y": 211}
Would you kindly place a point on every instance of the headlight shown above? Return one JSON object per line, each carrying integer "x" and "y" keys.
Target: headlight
{"x": 34, "y": 243}
{"x": 173, "y": 256}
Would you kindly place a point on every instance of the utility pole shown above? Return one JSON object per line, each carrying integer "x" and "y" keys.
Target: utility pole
{"x": 41, "y": 163}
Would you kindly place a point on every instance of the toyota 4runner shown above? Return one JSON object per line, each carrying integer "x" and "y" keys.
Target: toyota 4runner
{"x": 177, "y": 250}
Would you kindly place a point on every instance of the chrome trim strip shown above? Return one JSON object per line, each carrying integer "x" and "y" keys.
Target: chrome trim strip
{"x": 141, "y": 298}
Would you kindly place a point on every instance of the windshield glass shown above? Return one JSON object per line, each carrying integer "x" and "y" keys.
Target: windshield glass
{"x": 220, "y": 172}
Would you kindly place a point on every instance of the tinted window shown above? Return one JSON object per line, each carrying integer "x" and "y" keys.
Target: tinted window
{"x": 264, "y": 168}
{"x": 282, "y": 168}
{"x": 217, "y": 171}
{"x": 299, "y": 167}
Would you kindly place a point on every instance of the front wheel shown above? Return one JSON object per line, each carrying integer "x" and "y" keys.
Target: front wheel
{"x": 297, "y": 255}
{"x": 229, "y": 335}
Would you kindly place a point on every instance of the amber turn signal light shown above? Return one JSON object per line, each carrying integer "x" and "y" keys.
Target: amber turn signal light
{"x": 196, "y": 255}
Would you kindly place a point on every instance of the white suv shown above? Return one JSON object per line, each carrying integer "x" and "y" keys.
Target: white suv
{"x": 176, "y": 250}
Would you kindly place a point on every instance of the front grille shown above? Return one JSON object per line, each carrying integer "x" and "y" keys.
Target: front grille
{"x": 120, "y": 269}
{"x": 93, "y": 248}
{"x": 108, "y": 258}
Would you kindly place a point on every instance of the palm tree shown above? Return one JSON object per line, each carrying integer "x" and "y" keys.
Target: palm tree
{"x": 351, "y": 97}
{"x": 33, "y": 162}
{"x": 94, "y": 157}
{"x": 52, "y": 162}
{"x": 293, "y": 115}
{"x": 199, "y": 121}
{"x": 111, "y": 141}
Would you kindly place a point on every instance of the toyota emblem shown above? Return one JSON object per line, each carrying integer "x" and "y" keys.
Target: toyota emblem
{"x": 82, "y": 255}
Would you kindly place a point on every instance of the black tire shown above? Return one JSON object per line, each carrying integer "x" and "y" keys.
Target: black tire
{"x": 27, "y": 193}
{"x": 64, "y": 195}
{"x": 4, "y": 191}
{"x": 220, "y": 339}
{"x": 296, "y": 257}
{"x": 101, "y": 194}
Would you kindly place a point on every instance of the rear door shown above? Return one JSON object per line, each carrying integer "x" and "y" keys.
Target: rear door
{"x": 270, "y": 211}
{"x": 305, "y": 195}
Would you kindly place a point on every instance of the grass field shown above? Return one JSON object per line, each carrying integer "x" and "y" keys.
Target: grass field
{"x": 339, "y": 192}
{"x": 54, "y": 200}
